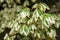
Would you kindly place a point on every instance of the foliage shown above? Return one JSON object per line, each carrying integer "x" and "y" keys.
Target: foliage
{"x": 29, "y": 24}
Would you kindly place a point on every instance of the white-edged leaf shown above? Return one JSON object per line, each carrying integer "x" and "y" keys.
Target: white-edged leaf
{"x": 43, "y": 7}
{"x": 30, "y": 21}
{"x": 35, "y": 6}
{"x": 37, "y": 13}
{"x": 24, "y": 30}
{"x": 52, "y": 33}
{"x": 47, "y": 19}
{"x": 24, "y": 13}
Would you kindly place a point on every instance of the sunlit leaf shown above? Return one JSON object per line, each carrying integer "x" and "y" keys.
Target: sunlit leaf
{"x": 37, "y": 13}
{"x": 47, "y": 20}
{"x": 24, "y": 30}
{"x": 43, "y": 7}
{"x": 24, "y": 13}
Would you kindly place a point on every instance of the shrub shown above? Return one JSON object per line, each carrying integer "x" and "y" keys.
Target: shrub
{"x": 27, "y": 23}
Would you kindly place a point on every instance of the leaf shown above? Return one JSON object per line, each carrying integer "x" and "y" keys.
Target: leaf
{"x": 33, "y": 27}
{"x": 47, "y": 19}
{"x": 37, "y": 13}
{"x": 43, "y": 7}
{"x": 30, "y": 21}
{"x": 24, "y": 30}
{"x": 12, "y": 32}
{"x": 52, "y": 33}
{"x": 18, "y": 1}
{"x": 36, "y": 34}
{"x": 8, "y": 37}
{"x": 16, "y": 27}
{"x": 26, "y": 3}
{"x": 10, "y": 24}
{"x": 35, "y": 6}
{"x": 1, "y": 30}
{"x": 24, "y": 13}
{"x": 49, "y": 38}
{"x": 33, "y": 1}
{"x": 57, "y": 23}
{"x": 1, "y": 1}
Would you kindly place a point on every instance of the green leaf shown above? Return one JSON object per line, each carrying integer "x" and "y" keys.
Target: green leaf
{"x": 47, "y": 19}
{"x": 24, "y": 13}
{"x": 36, "y": 14}
{"x": 24, "y": 30}
{"x": 43, "y": 7}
